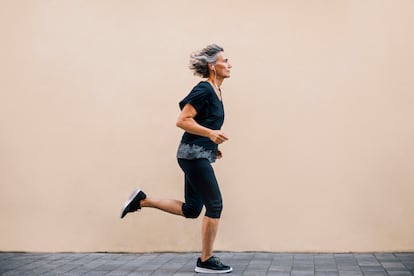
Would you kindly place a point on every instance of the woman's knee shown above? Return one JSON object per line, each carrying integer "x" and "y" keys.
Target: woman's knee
{"x": 191, "y": 211}
{"x": 214, "y": 210}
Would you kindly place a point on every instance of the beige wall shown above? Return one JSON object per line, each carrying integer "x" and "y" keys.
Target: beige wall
{"x": 319, "y": 111}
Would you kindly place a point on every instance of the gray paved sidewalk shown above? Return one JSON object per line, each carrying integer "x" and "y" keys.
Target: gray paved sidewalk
{"x": 183, "y": 264}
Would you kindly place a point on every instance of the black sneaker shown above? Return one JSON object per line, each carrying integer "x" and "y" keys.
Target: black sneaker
{"x": 212, "y": 265}
{"x": 134, "y": 202}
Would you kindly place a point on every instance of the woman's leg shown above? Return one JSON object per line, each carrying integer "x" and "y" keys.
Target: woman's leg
{"x": 190, "y": 209}
{"x": 201, "y": 177}
{"x": 208, "y": 234}
{"x": 171, "y": 206}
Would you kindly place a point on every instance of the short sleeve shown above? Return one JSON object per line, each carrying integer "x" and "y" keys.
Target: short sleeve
{"x": 198, "y": 97}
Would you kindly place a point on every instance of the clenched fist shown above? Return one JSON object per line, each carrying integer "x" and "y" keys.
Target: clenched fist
{"x": 217, "y": 136}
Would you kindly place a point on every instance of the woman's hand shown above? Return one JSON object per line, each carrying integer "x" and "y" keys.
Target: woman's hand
{"x": 217, "y": 136}
{"x": 219, "y": 154}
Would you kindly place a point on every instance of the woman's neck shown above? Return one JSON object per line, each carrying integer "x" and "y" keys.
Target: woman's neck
{"x": 215, "y": 81}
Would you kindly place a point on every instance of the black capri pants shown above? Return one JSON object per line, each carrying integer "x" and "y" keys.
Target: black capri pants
{"x": 201, "y": 188}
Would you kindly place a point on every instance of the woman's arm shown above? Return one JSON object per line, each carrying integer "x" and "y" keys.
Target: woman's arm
{"x": 186, "y": 121}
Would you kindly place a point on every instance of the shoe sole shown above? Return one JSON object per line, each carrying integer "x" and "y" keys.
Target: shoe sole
{"x": 128, "y": 202}
{"x": 212, "y": 271}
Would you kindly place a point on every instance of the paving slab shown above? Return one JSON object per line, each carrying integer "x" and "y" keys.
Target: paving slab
{"x": 181, "y": 264}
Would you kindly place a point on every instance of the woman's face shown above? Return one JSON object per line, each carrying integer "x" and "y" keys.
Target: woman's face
{"x": 222, "y": 66}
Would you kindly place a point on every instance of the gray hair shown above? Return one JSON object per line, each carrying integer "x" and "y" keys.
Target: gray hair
{"x": 199, "y": 60}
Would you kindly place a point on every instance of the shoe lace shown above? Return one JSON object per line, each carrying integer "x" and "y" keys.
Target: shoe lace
{"x": 216, "y": 260}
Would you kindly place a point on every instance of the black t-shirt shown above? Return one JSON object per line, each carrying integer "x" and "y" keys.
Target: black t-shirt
{"x": 210, "y": 114}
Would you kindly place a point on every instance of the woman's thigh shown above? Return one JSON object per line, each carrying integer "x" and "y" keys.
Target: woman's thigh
{"x": 201, "y": 180}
